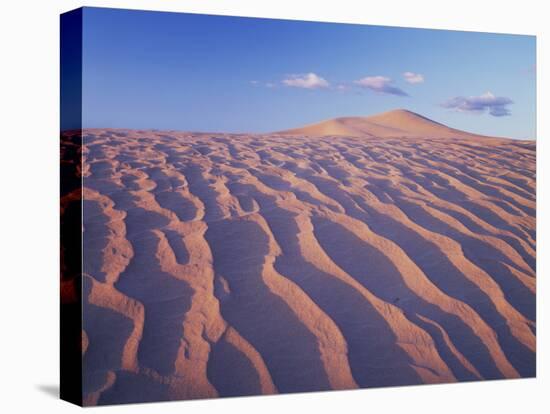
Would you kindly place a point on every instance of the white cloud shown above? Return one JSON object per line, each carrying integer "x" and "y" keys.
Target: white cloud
{"x": 307, "y": 80}
{"x": 380, "y": 84}
{"x": 412, "y": 77}
{"x": 487, "y": 102}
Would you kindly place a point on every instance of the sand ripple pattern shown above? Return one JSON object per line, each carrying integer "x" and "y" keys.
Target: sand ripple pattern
{"x": 223, "y": 264}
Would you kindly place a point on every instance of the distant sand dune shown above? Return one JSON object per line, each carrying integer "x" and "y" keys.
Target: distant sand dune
{"x": 361, "y": 256}
{"x": 398, "y": 123}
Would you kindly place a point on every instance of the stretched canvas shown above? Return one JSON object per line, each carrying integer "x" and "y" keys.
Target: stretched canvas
{"x": 259, "y": 206}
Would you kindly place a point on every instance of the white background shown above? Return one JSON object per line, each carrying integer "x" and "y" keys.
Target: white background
{"x": 29, "y": 247}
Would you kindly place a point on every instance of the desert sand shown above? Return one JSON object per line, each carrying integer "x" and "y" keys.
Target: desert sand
{"x": 358, "y": 252}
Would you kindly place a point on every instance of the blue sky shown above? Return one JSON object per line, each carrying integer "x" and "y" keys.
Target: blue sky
{"x": 215, "y": 73}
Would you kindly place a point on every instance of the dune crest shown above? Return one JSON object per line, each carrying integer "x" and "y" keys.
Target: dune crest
{"x": 298, "y": 264}
{"x": 399, "y": 123}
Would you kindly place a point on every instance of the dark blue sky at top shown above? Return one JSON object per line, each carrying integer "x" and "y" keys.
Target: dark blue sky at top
{"x": 215, "y": 73}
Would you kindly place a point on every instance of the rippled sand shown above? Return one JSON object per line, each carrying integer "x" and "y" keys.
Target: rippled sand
{"x": 220, "y": 265}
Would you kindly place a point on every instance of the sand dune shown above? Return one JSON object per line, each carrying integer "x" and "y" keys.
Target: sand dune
{"x": 378, "y": 251}
{"x": 399, "y": 123}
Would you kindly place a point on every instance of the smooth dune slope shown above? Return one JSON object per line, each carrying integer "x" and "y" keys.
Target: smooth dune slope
{"x": 399, "y": 123}
{"x": 227, "y": 264}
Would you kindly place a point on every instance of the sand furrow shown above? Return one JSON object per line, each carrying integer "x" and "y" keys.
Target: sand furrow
{"x": 290, "y": 350}
{"x": 349, "y": 305}
{"x": 379, "y": 273}
{"x": 250, "y": 376}
{"x": 304, "y": 263}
